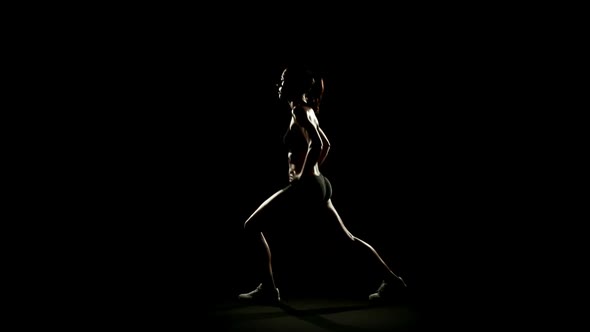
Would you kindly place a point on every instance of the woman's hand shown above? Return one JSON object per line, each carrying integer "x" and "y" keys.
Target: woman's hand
{"x": 293, "y": 176}
{"x": 292, "y": 171}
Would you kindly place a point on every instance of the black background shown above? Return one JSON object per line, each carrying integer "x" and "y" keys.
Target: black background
{"x": 160, "y": 140}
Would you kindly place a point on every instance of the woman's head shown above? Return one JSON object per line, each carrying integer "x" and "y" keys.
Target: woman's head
{"x": 300, "y": 84}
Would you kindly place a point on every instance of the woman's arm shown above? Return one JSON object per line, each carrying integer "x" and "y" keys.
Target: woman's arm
{"x": 325, "y": 146}
{"x": 315, "y": 142}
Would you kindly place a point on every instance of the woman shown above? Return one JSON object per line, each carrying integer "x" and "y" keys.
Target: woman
{"x": 308, "y": 148}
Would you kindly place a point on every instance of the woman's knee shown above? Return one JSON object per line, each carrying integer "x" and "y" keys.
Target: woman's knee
{"x": 250, "y": 226}
{"x": 256, "y": 225}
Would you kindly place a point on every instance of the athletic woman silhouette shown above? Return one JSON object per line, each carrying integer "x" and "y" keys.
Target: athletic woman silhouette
{"x": 307, "y": 144}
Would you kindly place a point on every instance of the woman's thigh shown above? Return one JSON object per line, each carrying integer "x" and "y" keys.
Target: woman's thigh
{"x": 296, "y": 205}
{"x": 273, "y": 213}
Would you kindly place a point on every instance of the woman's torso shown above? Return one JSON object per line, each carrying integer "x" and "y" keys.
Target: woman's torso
{"x": 297, "y": 142}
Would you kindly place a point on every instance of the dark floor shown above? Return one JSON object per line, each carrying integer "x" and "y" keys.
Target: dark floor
{"x": 313, "y": 314}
